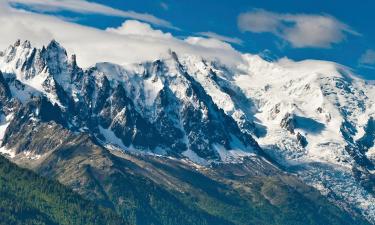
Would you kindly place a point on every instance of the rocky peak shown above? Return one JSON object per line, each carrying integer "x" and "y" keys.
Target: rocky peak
{"x": 17, "y": 43}
{"x": 26, "y": 44}
{"x": 56, "y": 58}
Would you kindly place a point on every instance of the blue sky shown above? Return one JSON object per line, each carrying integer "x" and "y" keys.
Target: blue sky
{"x": 345, "y": 36}
{"x": 221, "y": 17}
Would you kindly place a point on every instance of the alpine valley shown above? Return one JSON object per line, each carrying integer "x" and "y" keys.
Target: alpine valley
{"x": 188, "y": 140}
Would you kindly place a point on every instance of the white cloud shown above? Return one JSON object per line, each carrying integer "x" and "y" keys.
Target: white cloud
{"x": 232, "y": 40}
{"x": 83, "y": 6}
{"x": 300, "y": 30}
{"x": 134, "y": 27}
{"x": 132, "y": 42}
{"x": 209, "y": 43}
{"x": 368, "y": 58}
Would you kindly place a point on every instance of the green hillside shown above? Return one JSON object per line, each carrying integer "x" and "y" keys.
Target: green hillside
{"x": 26, "y": 198}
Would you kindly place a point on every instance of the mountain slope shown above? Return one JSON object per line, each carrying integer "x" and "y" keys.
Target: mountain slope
{"x": 27, "y": 198}
{"x": 317, "y": 115}
{"x": 171, "y": 191}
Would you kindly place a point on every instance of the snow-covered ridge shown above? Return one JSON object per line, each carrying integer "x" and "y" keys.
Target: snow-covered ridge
{"x": 316, "y": 114}
{"x": 320, "y": 95}
{"x": 145, "y": 90}
{"x": 314, "y": 117}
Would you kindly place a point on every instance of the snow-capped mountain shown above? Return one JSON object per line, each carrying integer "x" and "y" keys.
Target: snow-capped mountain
{"x": 312, "y": 118}
{"x": 156, "y": 107}
{"x": 319, "y": 121}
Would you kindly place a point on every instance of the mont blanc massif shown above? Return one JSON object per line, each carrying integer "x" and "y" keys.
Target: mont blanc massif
{"x": 184, "y": 140}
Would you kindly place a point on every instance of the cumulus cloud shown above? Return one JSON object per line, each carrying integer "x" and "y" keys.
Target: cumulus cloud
{"x": 132, "y": 42}
{"x": 83, "y": 6}
{"x": 300, "y": 30}
{"x": 134, "y": 27}
{"x": 219, "y": 37}
{"x": 368, "y": 58}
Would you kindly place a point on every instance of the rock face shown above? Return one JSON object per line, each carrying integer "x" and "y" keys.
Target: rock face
{"x": 5, "y": 93}
{"x": 313, "y": 118}
{"x": 288, "y": 123}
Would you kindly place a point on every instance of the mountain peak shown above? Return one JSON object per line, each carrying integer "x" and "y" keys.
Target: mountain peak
{"x": 26, "y": 44}
{"x": 17, "y": 43}
{"x": 55, "y": 46}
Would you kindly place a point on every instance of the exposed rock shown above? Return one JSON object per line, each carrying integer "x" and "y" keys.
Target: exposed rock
{"x": 5, "y": 93}
{"x": 301, "y": 139}
{"x": 287, "y": 122}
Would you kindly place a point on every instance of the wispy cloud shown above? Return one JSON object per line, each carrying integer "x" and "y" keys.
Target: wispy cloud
{"x": 300, "y": 30}
{"x": 83, "y": 6}
{"x": 367, "y": 59}
{"x": 232, "y": 40}
{"x": 132, "y": 42}
{"x": 164, "y": 5}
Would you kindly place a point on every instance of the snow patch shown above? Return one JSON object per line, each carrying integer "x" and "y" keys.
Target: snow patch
{"x": 8, "y": 152}
{"x": 111, "y": 137}
{"x": 195, "y": 158}
{"x": 231, "y": 156}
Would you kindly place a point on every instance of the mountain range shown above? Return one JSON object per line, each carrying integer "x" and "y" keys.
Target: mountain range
{"x": 188, "y": 140}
